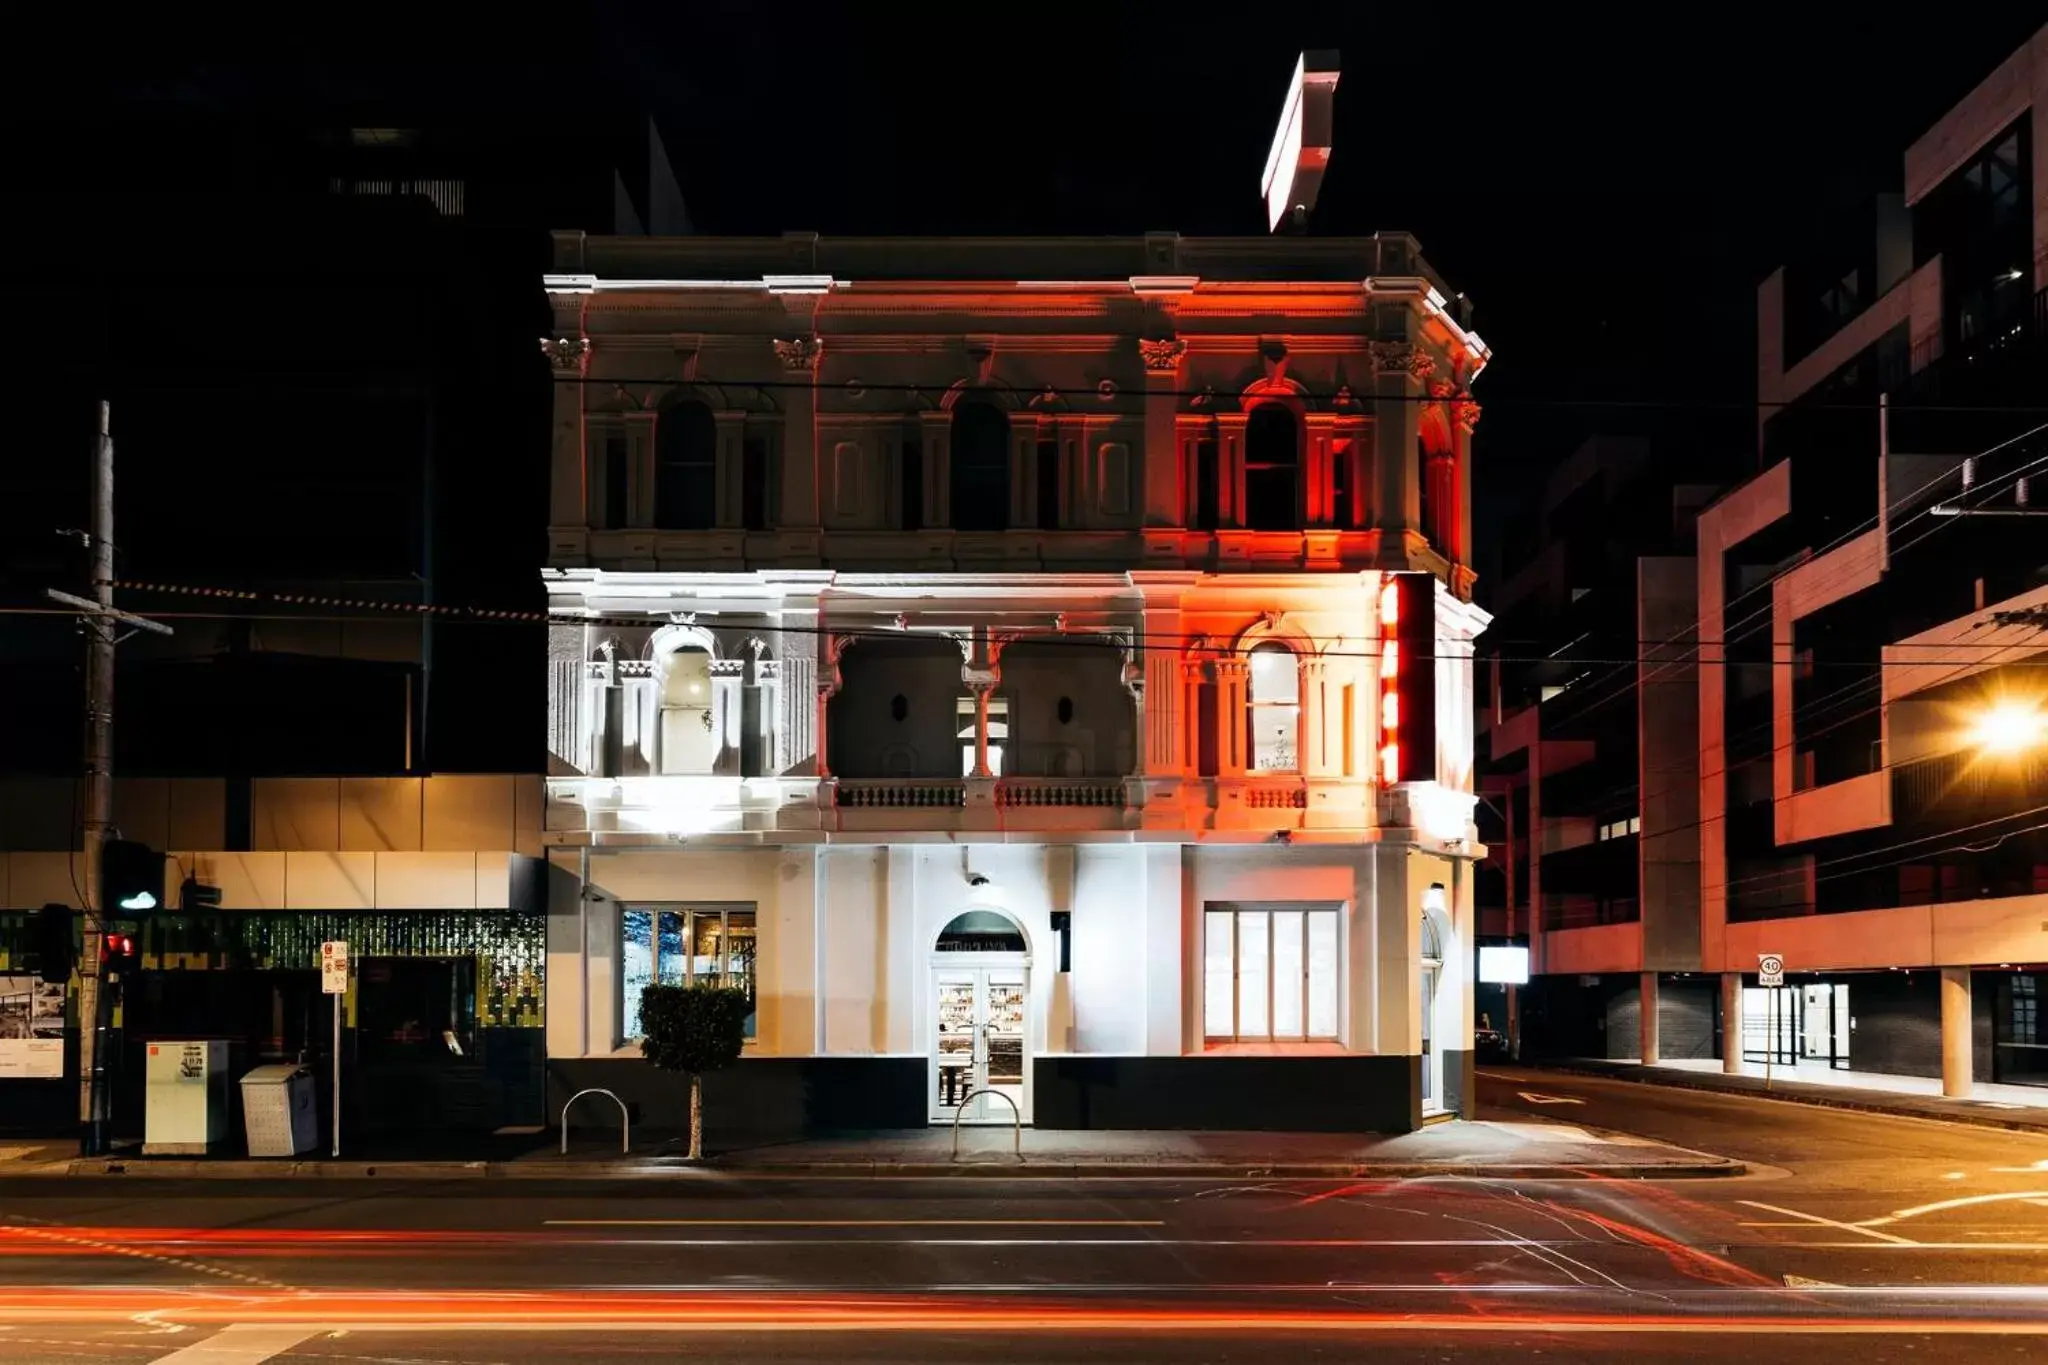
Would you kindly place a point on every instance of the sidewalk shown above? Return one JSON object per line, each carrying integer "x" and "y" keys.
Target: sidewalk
{"x": 1864, "y": 1092}
{"x": 1498, "y": 1150}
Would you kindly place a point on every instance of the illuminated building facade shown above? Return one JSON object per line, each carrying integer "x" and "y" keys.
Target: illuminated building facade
{"x": 1030, "y": 666}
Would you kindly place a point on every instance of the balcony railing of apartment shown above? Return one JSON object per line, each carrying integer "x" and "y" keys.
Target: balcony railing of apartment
{"x": 1952, "y": 790}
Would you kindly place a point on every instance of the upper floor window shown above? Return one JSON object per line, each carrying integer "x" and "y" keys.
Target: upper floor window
{"x": 1272, "y": 469}
{"x": 686, "y": 468}
{"x": 1273, "y": 710}
{"x": 980, "y": 467}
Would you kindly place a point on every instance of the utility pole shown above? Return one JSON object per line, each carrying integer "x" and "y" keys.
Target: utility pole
{"x": 99, "y": 620}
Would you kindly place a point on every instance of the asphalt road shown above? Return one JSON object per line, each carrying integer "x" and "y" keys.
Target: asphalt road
{"x": 1860, "y": 1238}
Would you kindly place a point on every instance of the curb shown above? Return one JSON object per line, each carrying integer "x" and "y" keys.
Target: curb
{"x": 1853, "y": 1103}
{"x": 173, "y": 1169}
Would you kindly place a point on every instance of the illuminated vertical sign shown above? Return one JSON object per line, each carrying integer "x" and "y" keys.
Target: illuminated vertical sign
{"x": 1407, "y": 678}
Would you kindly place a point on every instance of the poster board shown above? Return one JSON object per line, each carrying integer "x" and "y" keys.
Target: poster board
{"x": 31, "y": 1028}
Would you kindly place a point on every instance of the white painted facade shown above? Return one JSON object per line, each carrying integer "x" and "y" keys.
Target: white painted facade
{"x": 1149, "y": 702}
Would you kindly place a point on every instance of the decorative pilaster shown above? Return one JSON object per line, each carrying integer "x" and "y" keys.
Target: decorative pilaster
{"x": 800, "y": 358}
{"x": 1230, "y": 468}
{"x": 774, "y": 738}
{"x": 1314, "y": 723}
{"x": 1233, "y": 677}
{"x": 1400, "y": 368}
{"x": 568, "y": 358}
{"x": 727, "y": 676}
{"x": 731, "y": 476}
{"x": 1164, "y": 499}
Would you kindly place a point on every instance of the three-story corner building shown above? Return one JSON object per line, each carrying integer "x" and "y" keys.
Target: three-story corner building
{"x": 1038, "y": 670}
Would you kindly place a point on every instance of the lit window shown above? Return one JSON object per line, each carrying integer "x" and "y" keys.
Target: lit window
{"x": 681, "y": 947}
{"x": 1273, "y": 710}
{"x": 1269, "y": 975}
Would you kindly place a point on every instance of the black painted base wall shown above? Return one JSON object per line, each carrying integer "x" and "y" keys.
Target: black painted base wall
{"x": 1255, "y": 1094}
{"x": 1898, "y": 1022}
{"x": 1686, "y": 1011}
{"x": 1461, "y": 1085}
{"x": 762, "y": 1099}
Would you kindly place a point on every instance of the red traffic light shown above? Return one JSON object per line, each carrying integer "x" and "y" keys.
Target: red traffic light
{"x": 117, "y": 948}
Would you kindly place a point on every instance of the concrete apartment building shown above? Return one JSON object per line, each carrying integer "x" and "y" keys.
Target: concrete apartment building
{"x": 1871, "y": 626}
{"x": 1038, "y": 669}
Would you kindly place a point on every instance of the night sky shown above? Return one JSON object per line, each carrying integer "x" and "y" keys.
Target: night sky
{"x": 1608, "y": 191}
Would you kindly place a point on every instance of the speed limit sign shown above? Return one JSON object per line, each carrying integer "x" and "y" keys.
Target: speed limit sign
{"x": 1770, "y": 969}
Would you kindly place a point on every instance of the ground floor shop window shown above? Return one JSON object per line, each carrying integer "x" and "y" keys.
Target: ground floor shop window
{"x": 683, "y": 946}
{"x": 1269, "y": 975}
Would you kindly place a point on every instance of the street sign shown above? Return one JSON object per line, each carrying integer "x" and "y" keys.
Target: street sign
{"x": 334, "y": 966}
{"x": 1770, "y": 969}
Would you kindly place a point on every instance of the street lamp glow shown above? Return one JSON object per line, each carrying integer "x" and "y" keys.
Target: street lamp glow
{"x": 2008, "y": 728}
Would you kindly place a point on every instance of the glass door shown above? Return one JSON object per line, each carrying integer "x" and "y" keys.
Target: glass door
{"x": 978, "y": 1044}
{"x": 1002, "y": 1049}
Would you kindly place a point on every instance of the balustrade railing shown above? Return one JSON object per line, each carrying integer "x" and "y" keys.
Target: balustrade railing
{"x": 1106, "y": 792}
{"x": 899, "y": 793}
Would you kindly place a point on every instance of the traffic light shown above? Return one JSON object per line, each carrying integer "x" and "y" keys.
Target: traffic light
{"x": 120, "y": 954}
{"x": 53, "y": 943}
{"x": 131, "y": 879}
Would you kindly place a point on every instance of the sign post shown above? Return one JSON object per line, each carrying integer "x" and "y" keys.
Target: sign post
{"x": 334, "y": 982}
{"x": 1770, "y": 974}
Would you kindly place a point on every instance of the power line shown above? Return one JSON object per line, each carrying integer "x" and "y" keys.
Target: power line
{"x": 1362, "y": 398}
{"x": 1141, "y": 640}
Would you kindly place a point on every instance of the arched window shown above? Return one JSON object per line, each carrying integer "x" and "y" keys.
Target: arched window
{"x": 686, "y": 469}
{"x": 981, "y": 931}
{"x": 1272, "y": 469}
{"x": 1273, "y": 710}
{"x": 980, "y": 467}
{"x": 689, "y": 737}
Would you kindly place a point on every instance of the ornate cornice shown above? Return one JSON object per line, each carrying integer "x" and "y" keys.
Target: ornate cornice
{"x": 1162, "y": 355}
{"x": 568, "y": 355}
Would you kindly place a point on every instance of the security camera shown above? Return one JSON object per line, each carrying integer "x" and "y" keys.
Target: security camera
{"x": 976, "y": 879}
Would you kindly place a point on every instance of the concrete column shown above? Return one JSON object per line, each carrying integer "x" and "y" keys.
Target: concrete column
{"x": 1731, "y": 1022}
{"x": 1958, "y": 1071}
{"x": 1646, "y": 1019}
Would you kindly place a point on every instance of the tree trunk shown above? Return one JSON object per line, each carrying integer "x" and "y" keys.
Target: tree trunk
{"x": 696, "y": 1117}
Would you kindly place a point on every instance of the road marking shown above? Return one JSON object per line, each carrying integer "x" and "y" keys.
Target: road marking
{"x": 1532, "y": 1097}
{"x": 240, "y": 1344}
{"x": 2034, "y": 1169}
{"x": 854, "y": 1222}
{"x": 1801, "y": 1282}
{"x": 1829, "y": 1222}
{"x": 2026, "y": 1196}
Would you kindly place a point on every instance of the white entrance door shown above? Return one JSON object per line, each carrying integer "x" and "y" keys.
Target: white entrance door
{"x": 978, "y": 1045}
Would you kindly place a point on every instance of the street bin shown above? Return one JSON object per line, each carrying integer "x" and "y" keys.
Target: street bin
{"x": 185, "y": 1097}
{"x": 279, "y": 1111}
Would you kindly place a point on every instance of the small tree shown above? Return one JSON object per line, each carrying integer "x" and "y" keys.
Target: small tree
{"x": 693, "y": 1029}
